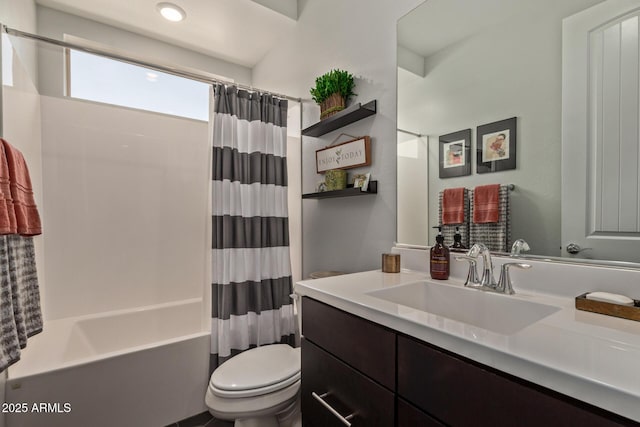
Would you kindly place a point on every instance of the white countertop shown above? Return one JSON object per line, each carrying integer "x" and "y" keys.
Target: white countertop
{"x": 589, "y": 356}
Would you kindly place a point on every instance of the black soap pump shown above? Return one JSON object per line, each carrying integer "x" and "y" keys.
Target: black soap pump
{"x": 457, "y": 240}
{"x": 439, "y": 258}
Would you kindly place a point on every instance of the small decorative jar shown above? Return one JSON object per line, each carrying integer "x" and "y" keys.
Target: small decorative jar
{"x": 335, "y": 179}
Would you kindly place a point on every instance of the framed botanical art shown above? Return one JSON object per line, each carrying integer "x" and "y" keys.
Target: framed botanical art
{"x": 496, "y": 146}
{"x": 455, "y": 154}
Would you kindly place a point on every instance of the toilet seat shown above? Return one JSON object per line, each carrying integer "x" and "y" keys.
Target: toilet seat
{"x": 256, "y": 372}
{"x": 258, "y": 391}
{"x": 252, "y": 407}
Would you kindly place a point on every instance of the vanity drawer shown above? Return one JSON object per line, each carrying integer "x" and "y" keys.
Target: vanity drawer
{"x": 348, "y": 392}
{"x": 368, "y": 347}
{"x": 460, "y": 393}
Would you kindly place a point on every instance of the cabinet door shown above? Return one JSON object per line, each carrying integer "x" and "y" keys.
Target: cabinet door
{"x": 343, "y": 388}
{"x": 410, "y": 416}
{"x": 461, "y": 393}
{"x": 368, "y": 347}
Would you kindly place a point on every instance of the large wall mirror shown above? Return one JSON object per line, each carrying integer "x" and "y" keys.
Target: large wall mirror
{"x": 463, "y": 64}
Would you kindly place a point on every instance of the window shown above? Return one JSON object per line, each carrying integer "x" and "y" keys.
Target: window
{"x": 96, "y": 78}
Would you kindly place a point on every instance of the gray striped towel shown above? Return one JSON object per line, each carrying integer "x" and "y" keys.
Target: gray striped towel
{"x": 9, "y": 343}
{"x": 22, "y": 259}
{"x": 496, "y": 236}
{"x": 449, "y": 230}
{"x": 20, "y": 312}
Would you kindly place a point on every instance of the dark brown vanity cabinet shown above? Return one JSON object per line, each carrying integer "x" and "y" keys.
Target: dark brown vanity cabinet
{"x": 348, "y": 369}
{"x": 351, "y": 366}
{"x": 350, "y": 394}
{"x": 410, "y": 416}
{"x": 462, "y": 393}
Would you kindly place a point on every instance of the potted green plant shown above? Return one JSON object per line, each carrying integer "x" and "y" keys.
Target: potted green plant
{"x": 332, "y": 91}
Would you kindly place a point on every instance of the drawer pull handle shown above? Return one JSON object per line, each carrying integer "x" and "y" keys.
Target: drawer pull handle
{"x": 320, "y": 398}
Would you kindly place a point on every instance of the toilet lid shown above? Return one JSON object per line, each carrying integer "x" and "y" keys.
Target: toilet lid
{"x": 257, "y": 368}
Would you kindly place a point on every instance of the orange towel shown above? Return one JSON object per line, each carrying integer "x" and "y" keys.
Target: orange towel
{"x": 7, "y": 213}
{"x": 453, "y": 206}
{"x": 26, "y": 212}
{"x": 486, "y": 203}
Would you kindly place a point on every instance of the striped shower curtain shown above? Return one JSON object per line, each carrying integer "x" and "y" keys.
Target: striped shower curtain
{"x": 251, "y": 267}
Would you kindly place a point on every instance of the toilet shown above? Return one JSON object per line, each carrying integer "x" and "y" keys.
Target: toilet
{"x": 258, "y": 388}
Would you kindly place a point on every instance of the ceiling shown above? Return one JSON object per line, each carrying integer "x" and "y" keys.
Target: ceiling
{"x": 238, "y": 31}
{"x": 428, "y": 28}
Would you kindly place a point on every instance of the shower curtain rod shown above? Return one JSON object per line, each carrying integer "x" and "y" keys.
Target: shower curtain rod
{"x": 419, "y": 135}
{"x": 123, "y": 58}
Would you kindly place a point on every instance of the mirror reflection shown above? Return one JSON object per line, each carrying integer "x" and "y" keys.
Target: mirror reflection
{"x": 463, "y": 65}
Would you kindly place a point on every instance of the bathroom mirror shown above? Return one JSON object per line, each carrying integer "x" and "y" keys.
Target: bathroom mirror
{"x": 464, "y": 64}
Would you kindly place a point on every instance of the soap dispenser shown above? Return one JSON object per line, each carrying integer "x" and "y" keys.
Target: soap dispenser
{"x": 457, "y": 240}
{"x": 439, "y": 258}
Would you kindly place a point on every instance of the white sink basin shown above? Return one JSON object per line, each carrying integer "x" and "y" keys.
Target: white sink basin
{"x": 498, "y": 313}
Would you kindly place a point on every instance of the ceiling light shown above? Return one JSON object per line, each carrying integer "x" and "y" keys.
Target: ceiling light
{"x": 171, "y": 12}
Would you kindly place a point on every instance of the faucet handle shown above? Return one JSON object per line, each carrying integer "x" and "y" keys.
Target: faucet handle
{"x": 504, "y": 284}
{"x": 518, "y": 246}
{"x": 476, "y": 250}
{"x": 472, "y": 276}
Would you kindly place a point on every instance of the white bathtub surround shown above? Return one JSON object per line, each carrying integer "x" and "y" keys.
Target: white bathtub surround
{"x": 585, "y": 355}
{"x": 125, "y": 213}
{"x": 125, "y": 207}
{"x": 138, "y": 367}
{"x": 251, "y": 266}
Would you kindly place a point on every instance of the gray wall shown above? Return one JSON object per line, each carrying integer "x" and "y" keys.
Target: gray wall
{"x": 346, "y": 234}
{"x": 490, "y": 77}
{"x": 55, "y": 24}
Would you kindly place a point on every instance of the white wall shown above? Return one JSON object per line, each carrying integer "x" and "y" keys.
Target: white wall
{"x": 413, "y": 203}
{"x": 347, "y": 234}
{"x": 125, "y": 196}
{"x": 21, "y": 14}
{"x": 490, "y": 77}
{"x": 55, "y": 24}
{"x": 294, "y": 176}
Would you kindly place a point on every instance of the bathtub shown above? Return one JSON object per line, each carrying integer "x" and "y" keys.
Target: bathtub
{"x": 142, "y": 367}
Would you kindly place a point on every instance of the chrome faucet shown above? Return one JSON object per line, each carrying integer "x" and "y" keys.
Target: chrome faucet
{"x": 472, "y": 275}
{"x": 480, "y": 249}
{"x": 504, "y": 284}
{"x": 518, "y": 246}
{"x": 488, "y": 283}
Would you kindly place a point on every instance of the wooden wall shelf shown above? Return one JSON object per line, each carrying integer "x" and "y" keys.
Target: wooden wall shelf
{"x": 347, "y": 192}
{"x": 349, "y": 115}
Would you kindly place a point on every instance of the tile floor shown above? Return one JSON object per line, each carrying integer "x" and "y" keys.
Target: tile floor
{"x": 202, "y": 420}
{"x": 216, "y": 423}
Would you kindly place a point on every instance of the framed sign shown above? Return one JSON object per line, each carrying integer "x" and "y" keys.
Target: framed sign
{"x": 350, "y": 154}
{"x": 496, "y": 146}
{"x": 455, "y": 154}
